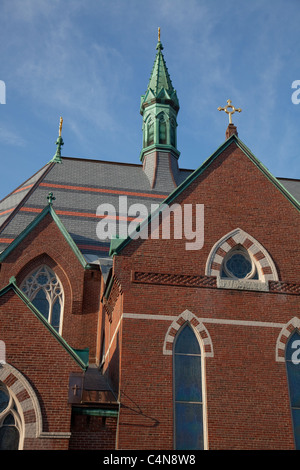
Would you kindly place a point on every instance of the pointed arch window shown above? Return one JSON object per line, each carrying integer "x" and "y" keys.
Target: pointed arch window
{"x": 292, "y": 359}
{"x": 10, "y": 421}
{"x": 162, "y": 130}
{"x": 188, "y": 396}
{"x": 150, "y": 132}
{"x": 173, "y": 133}
{"x": 44, "y": 290}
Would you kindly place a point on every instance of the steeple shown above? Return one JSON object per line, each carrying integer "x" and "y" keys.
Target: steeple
{"x": 159, "y": 107}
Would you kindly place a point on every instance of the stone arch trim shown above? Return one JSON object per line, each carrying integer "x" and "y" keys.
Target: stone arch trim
{"x": 283, "y": 338}
{"x": 262, "y": 259}
{"x": 19, "y": 386}
{"x": 198, "y": 326}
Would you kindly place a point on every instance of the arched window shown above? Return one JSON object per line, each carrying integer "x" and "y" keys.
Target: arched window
{"x": 188, "y": 396}
{"x": 150, "y": 132}
{"x": 10, "y": 421}
{"x": 173, "y": 132}
{"x": 292, "y": 359}
{"x": 162, "y": 130}
{"x": 45, "y": 292}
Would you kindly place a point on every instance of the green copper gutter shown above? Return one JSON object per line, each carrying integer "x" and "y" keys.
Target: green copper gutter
{"x": 47, "y": 210}
{"x": 96, "y": 411}
{"x": 117, "y": 246}
{"x": 80, "y": 356}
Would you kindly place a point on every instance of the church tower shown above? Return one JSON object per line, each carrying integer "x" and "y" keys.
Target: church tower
{"x": 159, "y": 108}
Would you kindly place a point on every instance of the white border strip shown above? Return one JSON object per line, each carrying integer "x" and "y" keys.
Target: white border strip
{"x": 141, "y": 316}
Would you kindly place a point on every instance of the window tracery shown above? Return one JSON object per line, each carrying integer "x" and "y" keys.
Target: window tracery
{"x": 44, "y": 290}
{"x": 238, "y": 264}
{"x": 10, "y": 421}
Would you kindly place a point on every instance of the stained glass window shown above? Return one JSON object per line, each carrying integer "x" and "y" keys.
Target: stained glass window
{"x": 292, "y": 357}
{"x": 238, "y": 265}
{"x": 45, "y": 291}
{"x": 10, "y": 421}
{"x": 188, "y": 391}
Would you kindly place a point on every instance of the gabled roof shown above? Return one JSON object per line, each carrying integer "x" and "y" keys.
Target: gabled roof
{"x": 47, "y": 210}
{"x": 79, "y": 185}
{"x": 118, "y": 244}
{"x": 80, "y": 356}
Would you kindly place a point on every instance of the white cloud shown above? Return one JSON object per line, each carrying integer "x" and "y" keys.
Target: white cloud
{"x": 9, "y": 137}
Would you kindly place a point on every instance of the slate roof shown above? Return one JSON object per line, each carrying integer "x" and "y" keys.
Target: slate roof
{"x": 79, "y": 187}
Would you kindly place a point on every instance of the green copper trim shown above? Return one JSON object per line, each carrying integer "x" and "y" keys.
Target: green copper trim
{"x": 47, "y": 210}
{"x": 160, "y": 84}
{"x": 159, "y": 107}
{"x": 160, "y": 147}
{"x": 95, "y": 411}
{"x": 77, "y": 355}
{"x": 57, "y": 157}
{"x": 115, "y": 248}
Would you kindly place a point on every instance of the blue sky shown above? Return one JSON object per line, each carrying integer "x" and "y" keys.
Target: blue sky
{"x": 90, "y": 61}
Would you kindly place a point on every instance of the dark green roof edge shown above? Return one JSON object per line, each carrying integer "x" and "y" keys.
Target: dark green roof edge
{"x": 47, "y": 210}
{"x": 96, "y": 411}
{"x": 116, "y": 248}
{"x": 75, "y": 354}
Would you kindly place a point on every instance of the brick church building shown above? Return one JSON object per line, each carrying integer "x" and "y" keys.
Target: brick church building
{"x": 146, "y": 306}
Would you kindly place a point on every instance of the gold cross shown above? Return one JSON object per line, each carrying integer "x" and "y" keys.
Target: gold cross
{"x": 60, "y": 126}
{"x": 233, "y": 110}
{"x": 158, "y": 34}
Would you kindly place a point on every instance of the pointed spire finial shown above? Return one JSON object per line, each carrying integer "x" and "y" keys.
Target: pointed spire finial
{"x": 50, "y": 198}
{"x": 60, "y": 126}
{"x": 159, "y": 44}
{"x": 59, "y": 143}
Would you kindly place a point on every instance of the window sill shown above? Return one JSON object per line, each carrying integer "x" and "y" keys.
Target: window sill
{"x": 238, "y": 284}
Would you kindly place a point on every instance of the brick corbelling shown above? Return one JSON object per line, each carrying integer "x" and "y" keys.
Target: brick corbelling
{"x": 280, "y": 287}
{"x": 110, "y": 302}
{"x": 173, "y": 279}
{"x": 204, "y": 281}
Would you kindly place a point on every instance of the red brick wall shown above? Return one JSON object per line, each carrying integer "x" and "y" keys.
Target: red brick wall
{"x": 46, "y": 244}
{"x": 247, "y": 394}
{"x": 36, "y": 353}
{"x": 93, "y": 433}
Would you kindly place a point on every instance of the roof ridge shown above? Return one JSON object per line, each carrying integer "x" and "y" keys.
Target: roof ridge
{"x": 48, "y": 209}
{"x": 48, "y": 167}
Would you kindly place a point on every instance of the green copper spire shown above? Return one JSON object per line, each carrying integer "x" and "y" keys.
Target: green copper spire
{"x": 159, "y": 107}
{"x": 160, "y": 84}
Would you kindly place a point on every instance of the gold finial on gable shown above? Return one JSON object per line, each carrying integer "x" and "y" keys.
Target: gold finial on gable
{"x": 60, "y": 126}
